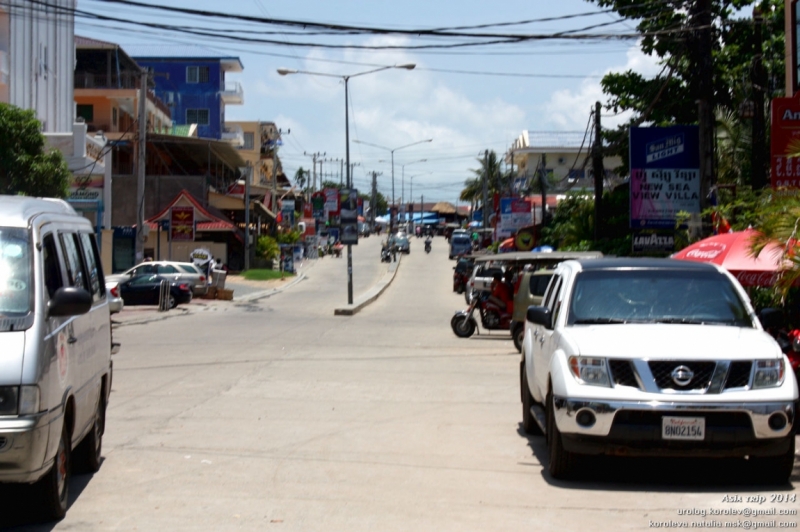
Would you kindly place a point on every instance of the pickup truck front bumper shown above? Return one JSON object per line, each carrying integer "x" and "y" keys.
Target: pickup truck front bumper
{"x": 634, "y": 427}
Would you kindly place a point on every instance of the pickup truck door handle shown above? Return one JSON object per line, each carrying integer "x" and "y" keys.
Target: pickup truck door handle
{"x": 541, "y": 340}
{"x": 72, "y": 340}
{"x": 536, "y": 333}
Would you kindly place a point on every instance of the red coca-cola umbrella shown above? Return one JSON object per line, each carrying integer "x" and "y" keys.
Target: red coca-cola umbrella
{"x": 732, "y": 252}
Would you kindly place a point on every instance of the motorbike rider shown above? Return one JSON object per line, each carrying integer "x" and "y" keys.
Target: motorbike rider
{"x": 428, "y": 242}
{"x": 501, "y": 294}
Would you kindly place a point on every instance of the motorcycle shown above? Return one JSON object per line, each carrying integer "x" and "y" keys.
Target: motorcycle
{"x": 386, "y": 255}
{"x": 427, "y": 246}
{"x": 492, "y": 317}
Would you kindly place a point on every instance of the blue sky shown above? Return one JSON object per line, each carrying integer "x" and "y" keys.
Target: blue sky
{"x": 463, "y": 113}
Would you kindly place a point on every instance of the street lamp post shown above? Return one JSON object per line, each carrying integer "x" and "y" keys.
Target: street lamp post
{"x": 392, "y": 150}
{"x": 346, "y": 78}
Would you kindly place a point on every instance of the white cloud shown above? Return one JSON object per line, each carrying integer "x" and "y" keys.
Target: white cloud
{"x": 569, "y": 109}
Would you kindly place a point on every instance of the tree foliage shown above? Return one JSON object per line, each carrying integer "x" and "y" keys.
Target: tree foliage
{"x": 670, "y": 97}
{"x": 26, "y": 168}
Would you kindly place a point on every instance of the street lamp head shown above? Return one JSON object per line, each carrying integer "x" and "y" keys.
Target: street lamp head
{"x": 408, "y": 66}
{"x": 285, "y": 71}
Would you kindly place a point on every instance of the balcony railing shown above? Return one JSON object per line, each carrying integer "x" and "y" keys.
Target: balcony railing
{"x": 125, "y": 80}
{"x": 232, "y": 93}
{"x": 234, "y": 135}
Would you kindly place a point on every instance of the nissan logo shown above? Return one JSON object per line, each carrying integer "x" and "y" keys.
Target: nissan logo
{"x": 682, "y": 375}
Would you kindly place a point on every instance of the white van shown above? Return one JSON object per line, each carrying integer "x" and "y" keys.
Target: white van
{"x": 55, "y": 333}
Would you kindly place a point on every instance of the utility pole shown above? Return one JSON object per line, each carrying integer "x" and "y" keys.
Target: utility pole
{"x": 373, "y": 202}
{"x": 249, "y": 177}
{"x": 141, "y": 165}
{"x": 485, "y": 189}
{"x": 314, "y": 157}
{"x": 599, "y": 174}
{"x": 705, "y": 96}
{"x": 543, "y": 183}
{"x": 341, "y": 170}
{"x": 757, "y": 76}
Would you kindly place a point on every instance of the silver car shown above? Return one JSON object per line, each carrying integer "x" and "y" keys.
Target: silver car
{"x": 115, "y": 302}
{"x": 176, "y": 271}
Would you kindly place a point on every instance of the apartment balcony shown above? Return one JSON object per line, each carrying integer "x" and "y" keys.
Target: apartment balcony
{"x": 233, "y": 135}
{"x": 124, "y": 80}
{"x": 231, "y": 93}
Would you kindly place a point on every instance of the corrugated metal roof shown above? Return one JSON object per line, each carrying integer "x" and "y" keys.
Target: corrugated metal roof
{"x": 88, "y": 42}
{"x": 181, "y": 51}
{"x": 556, "y": 139}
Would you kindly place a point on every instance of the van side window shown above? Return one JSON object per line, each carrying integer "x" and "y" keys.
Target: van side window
{"x": 95, "y": 274}
{"x": 52, "y": 270}
{"x": 75, "y": 274}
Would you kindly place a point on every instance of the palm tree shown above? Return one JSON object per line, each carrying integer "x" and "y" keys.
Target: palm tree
{"x": 497, "y": 181}
{"x": 301, "y": 178}
{"x": 733, "y": 148}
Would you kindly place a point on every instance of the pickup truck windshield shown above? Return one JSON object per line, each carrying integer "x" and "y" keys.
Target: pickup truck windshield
{"x": 655, "y": 296}
{"x": 16, "y": 287}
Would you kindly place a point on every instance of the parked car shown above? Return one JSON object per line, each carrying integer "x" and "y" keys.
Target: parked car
{"x": 655, "y": 357}
{"x": 115, "y": 301}
{"x": 401, "y": 241}
{"x": 146, "y": 290}
{"x": 531, "y": 290}
{"x": 56, "y": 333}
{"x": 176, "y": 271}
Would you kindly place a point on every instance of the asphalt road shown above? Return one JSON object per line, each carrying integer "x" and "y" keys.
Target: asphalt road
{"x": 278, "y": 415}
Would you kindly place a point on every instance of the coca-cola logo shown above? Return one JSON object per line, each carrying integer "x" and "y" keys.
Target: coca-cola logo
{"x": 757, "y": 278}
{"x": 707, "y": 251}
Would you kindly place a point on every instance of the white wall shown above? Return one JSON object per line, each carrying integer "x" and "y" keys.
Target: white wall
{"x": 41, "y": 57}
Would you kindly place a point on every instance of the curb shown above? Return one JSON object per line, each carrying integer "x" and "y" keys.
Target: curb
{"x": 372, "y": 294}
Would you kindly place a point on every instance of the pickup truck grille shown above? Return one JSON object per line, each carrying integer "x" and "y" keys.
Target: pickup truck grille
{"x": 622, "y": 373}
{"x": 739, "y": 374}
{"x": 663, "y": 374}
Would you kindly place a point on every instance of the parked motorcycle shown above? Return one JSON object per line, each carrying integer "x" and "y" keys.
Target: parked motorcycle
{"x": 427, "y": 246}
{"x": 386, "y": 255}
{"x": 492, "y": 317}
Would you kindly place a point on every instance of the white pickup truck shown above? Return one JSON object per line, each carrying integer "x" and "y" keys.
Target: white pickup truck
{"x": 654, "y": 357}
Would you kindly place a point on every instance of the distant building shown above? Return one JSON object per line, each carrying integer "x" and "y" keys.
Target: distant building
{"x": 192, "y": 80}
{"x": 561, "y": 156}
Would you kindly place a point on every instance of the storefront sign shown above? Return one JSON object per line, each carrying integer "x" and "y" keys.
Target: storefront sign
{"x": 514, "y": 215}
{"x": 349, "y": 216}
{"x": 318, "y": 205}
{"x": 653, "y": 243}
{"x": 665, "y": 175}
{"x": 332, "y": 201}
{"x": 201, "y": 256}
{"x": 181, "y": 221}
{"x": 785, "y": 139}
{"x": 87, "y": 187}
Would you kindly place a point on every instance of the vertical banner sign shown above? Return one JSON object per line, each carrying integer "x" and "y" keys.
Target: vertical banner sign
{"x": 349, "y": 216}
{"x": 181, "y": 222}
{"x": 287, "y": 210}
{"x": 665, "y": 175}
{"x": 332, "y": 201}
{"x": 785, "y": 139}
{"x": 514, "y": 215}
{"x": 318, "y": 205}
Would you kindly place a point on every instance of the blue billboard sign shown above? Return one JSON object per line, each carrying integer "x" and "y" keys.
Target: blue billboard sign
{"x": 665, "y": 175}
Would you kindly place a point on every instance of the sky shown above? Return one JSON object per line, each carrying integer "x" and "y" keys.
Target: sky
{"x": 466, "y": 100}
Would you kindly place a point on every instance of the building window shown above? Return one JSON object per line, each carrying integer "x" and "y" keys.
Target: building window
{"x": 197, "y": 74}
{"x": 197, "y": 116}
{"x": 86, "y": 112}
{"x": 249, "y": 141}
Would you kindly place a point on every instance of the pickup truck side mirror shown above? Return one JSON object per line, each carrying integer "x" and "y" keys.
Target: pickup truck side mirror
{"x": 540, "y": 316}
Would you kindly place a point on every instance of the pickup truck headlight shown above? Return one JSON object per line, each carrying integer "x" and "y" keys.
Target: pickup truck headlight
{"x": 588, "y": 370}
{"x": 769, "y": 373}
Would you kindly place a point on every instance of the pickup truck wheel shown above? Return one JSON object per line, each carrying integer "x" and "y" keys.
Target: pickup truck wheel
{"x": 518, "y": 334}
{"x": 529, "y": 424}
{"x": 562, "y": 462}
{"x": 775, "y": 469}
{"x": 54, "y": 485}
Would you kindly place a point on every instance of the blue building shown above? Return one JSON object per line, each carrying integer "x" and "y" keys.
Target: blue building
{"x": 192, "y": 81}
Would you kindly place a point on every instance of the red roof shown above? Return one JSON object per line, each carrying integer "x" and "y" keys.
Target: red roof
{"x": 206, "y": 221}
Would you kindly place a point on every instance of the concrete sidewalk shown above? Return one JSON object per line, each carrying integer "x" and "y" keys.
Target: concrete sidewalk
{"x": 140, "y": 315}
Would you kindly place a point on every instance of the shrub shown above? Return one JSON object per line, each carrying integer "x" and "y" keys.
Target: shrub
{"x": 267, "y": 247}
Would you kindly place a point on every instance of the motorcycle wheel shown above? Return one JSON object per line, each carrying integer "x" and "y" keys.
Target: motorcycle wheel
{"x": 461, "y": 327}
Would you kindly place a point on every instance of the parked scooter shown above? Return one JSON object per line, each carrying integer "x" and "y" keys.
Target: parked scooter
{"x": 492, "y": 317}
{"x": 428, "y": 245}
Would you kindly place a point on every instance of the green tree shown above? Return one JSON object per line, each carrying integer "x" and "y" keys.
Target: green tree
{"x": 670, "y": 97}
{"x": 267, "y": 248}
{"x": 26, "y": 168}
{"x": 498, "y": 181}
{"x": 301, "y": 177}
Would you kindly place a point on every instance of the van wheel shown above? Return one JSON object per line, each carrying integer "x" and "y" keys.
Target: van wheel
{"x": 54, "y": 486}
{"x": 88, "y": 453}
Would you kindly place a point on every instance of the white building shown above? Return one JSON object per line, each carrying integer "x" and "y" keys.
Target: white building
{"x": 37, "y": 65}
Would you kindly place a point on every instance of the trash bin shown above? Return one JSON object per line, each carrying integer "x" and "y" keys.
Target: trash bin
{"x": 218, "y": 279}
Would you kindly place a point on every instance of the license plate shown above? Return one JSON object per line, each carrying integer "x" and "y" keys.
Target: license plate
{"x": 683, "y": 428}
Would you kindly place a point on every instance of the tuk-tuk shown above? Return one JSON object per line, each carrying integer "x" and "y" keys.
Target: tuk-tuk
{"x": 532, "y": 279}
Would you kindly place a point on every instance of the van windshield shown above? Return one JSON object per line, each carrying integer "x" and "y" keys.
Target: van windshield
{"x": 16, "y": 286}
{"x": 460, "y": 239}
